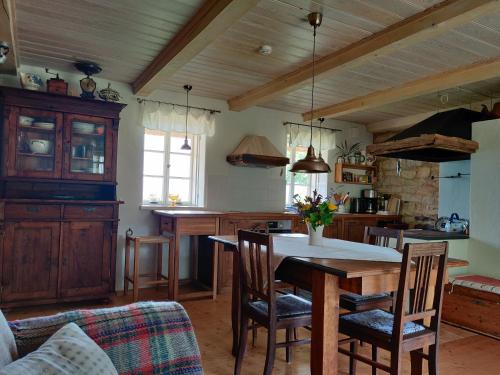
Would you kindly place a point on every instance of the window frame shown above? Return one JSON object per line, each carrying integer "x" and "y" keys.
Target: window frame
{"x": 314, "y": 182}
{"x": 196, "y": 173}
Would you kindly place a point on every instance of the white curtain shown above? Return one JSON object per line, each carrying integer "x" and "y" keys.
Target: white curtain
{"x": 300, "y": 136}
{"x": 172, "y": 118}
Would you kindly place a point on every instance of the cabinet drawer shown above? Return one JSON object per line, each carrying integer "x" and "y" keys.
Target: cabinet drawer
{"x": 32, "y": 211}
{"x": 88, "y": 212}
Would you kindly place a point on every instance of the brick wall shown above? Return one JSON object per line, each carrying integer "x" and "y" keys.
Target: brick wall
{"x": 418, "y": 192}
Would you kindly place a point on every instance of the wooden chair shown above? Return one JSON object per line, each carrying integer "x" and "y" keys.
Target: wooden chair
{"x": 158, "y": 277}
{"x": 381, "y": 237}
{"x": 261, "y": 303}
{"x": 405, "y": 330}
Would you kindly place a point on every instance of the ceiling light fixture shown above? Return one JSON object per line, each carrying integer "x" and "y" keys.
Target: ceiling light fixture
{"x": 186, "y": 145}
{"x": 265, "y": 50}
{"x": 311, "y": 163}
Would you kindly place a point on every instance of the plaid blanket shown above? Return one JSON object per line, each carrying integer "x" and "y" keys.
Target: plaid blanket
{"x": 142, "y": 338}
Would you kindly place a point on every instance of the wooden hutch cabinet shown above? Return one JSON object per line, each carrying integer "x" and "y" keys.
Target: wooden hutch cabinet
{"x": 58, "y": 205}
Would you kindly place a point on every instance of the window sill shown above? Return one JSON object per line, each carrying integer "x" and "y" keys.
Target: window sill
{"x": 151, "y": 207}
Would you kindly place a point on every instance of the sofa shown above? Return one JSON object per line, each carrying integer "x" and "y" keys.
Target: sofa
{"x": 142, "y": 338}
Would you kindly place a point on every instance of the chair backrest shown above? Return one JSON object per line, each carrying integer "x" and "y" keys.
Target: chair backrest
{"x": 255, "y": 251}
{"x": 381, "y": 237}
{"x": 423, "y": 270}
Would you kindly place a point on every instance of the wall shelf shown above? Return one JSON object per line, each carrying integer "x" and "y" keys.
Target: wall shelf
{"x": 340, "y": 173}
{"x": 355, "y": 183}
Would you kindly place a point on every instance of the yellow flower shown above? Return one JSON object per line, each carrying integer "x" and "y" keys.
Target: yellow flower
{"x": 332, "y": 207}
{"x": 307, "y": 207}
{"x": 307, "y": 220}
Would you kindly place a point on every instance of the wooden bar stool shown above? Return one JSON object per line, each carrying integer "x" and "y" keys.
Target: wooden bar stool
{"x": 159, "y": 277}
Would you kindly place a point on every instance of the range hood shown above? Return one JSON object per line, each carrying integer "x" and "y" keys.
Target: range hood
{"x": 445, "y": 136}
{"x": 257, "y": 151}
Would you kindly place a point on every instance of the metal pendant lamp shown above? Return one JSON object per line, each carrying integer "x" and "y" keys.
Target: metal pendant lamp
{"x": 311, "y": 163}
{"x": 186, "y": 145}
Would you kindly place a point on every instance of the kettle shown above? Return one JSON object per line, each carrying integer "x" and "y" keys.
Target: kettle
{"x": 452, "y": 224}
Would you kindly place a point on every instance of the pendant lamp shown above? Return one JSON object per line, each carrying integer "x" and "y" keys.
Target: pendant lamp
{"x": 311, "y": 163}
{"x": 186, "y": 145}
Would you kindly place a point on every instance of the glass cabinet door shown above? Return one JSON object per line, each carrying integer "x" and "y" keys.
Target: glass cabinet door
{"x": 37, "y": 144}
{"x": 87, "y": 151}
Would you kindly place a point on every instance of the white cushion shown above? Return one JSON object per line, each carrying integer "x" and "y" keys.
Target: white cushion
{"x": 8, "y": 351}
{"x": 69, "y": 351}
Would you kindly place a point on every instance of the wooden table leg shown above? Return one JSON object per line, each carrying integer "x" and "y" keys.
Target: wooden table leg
{"x": 235, "y": 303}
{"x": 127, "y": 266}
{"x": 159, "y": 263}
{"x": 171, "y": 267}
{"x": 325, "y": 317}
{"x": 137, "y": 248}
{"x": 177, "y": 254}
{"x": 215, "y": 268}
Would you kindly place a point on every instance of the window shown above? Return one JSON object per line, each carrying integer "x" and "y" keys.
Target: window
{"x": 303, "y": 183}
{"x": 169, "y": 171}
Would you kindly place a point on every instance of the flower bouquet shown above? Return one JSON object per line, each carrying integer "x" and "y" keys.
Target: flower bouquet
{"x": 316, "y": 212}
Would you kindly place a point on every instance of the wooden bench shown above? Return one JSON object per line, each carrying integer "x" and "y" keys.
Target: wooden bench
{"x": 473, "y": 302}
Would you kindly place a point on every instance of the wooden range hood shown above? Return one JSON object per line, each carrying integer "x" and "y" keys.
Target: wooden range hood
{"x": 256, "y": 151}
{"x": 445, "y": 136}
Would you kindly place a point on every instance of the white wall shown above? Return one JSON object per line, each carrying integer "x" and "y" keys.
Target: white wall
{"x": 228, "y": 187}
{"x": 454, "y": 193}
{"x": 484, "y": 243}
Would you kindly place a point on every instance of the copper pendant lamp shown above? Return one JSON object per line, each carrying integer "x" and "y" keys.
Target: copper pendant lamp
{"x": 186, "y": 145}
{"x": 311, "y": 163}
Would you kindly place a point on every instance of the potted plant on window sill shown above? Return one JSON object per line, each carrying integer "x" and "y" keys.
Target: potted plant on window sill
{"x": 316, "y": 212}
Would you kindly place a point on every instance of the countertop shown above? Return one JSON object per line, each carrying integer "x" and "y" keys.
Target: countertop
{"x": 187, "y": 213}
{"x": 434, "y": 235}
{"x": 228, "y": 214}
{"x": 255, "y": 215}
{"x": 363, "y": 215}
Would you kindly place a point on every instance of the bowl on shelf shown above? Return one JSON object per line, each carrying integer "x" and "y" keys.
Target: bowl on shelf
{"x": 83, "y": 127}
{"x": 30, "y": 81}
{"x": 39, "y": 146}
{"x": 44, "y": 125}
{"x": 26, "y": 120}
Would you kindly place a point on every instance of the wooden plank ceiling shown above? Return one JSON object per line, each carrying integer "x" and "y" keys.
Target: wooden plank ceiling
{"x": 125, "y": 36}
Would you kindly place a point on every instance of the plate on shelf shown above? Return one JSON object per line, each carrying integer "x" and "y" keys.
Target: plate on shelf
{"x": 83, "y": 127}
{"x": 26, "y": 120}
{"x": 383, "y": 213}
{"x": 44, "y": 125}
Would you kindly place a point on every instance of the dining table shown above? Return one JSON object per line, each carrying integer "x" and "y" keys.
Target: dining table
{"x": 325, "y": 278}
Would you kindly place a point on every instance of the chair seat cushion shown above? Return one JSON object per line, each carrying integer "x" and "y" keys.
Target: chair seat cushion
{"x": 287, "y": 306}
{"x": 359, "y": 298}
{"x": 380, "y": 321}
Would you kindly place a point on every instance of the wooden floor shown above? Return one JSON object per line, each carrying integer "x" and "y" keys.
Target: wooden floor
{"x": 462, "y": 352}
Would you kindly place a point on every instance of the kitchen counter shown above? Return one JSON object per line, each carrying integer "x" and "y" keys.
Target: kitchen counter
{"x": 187, "y": 213}
{"x": 230, "y": 214}
{"x": 364, "y": 216}
{"x": 434, "y": 235}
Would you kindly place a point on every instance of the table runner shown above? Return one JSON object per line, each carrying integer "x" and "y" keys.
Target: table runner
{"x": 297, "y": 246}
